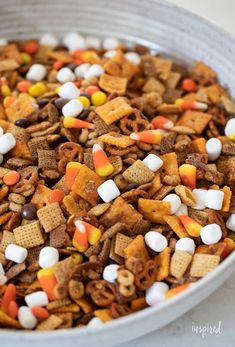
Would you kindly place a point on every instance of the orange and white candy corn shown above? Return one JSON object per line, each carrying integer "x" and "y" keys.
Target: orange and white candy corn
{"x": 191, "y": 105}
{"x": 148, "y": 136}
{"x": 188, "y": 175}
{"x": 47, "y": 282}
{"x": 102, "y": 164}
{"x": 192, "y": 227}
{"x": 161, "y": 122}
{"x": 80, "y": 238}
{"x": 174, "y": 291}
{"x": 74, "y": 123}
{"x": 72, "y": 170}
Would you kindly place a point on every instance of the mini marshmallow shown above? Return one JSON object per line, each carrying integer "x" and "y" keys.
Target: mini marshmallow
{"x": 81, "y": 70}
{"x": 185, "y": 244}
{"x": 156, "y": 241}
{"x": 26, "y": 318}
{"x": 48, "y": 257}
{"x": 65, "y": 75}
{"x": 213, "y": 148}
{"x": 156, "y": 293}
{"x": 211, "y": 234}
{"x": 110, "y": 43}
{"x": 69, "y": 91}
{"x": 133, "y": 57}
{"x": 230, "y": 127}
{"x": 39, "y": 298}
{"x": 174, "y": 201}
{"x": 231, "y": 222}
{"x": 153, "y": 162}
{"x": 2, "y": 271}
{"x": 109, "y": 54}
{"x": 108, "y": 191}
{"x": 214, "y": 199}
{"x": 3, "y": 280}
{"x": 7, "y": 142}
{"x": 182, "y": 210}
{"x": 72, "y": 109}
{"x": 74, "y": 41}
{"x": 94, "y": 71}
{"x": 16, "y": 253}
{"x": 200, "y": 196}
{"x": 36, "y": 72}
{"x": 49, "y": 40}
{"x": 3, "y": 42}
{"x": 93, "y": 42}
{"x": 95, "y": 322}
{"x": 110, "y": 272}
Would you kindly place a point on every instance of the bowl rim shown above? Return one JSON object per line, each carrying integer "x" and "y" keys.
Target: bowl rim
{"x": 144, "y": 313}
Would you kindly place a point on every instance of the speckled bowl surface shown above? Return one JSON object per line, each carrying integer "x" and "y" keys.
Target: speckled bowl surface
{"x": 167, "y": 29}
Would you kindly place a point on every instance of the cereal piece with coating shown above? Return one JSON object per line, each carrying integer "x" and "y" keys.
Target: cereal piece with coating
{"x": 114, "y": 110}
{"x": 113, "y": 84}
{"x": 154, "y": 210}
{"x": 51, "y": 216}
{"x": 138, "y": 173}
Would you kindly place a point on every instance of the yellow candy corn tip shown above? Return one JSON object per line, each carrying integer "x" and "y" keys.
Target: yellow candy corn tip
{"x": 94, "y": 236}
{"x": 232, "y": 137}
{"x": 73, "y": 165}
{"x": 178, "y": 102}
{"x": 187, "y": 169}
{"x": 45, "y": 272}
{"x": 105, "y": 170}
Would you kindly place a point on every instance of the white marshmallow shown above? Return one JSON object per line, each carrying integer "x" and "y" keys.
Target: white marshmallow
{"x": 156, "y": 241}
{"x": 200, "y": 195}
{"x": 133, "y": 57}
{"x": 214, "y": 199}
{"x": 3, "y": 42}
{"x": 94, "y": 71}
{"x": 39, "y": 298}
{"x": 69, "y": 91}
{"x": 110, "y": 43}
{"x": 110, "y": 272}
{"x": 95, "y": 322}
{"x": 174, "y": 201}
{"x": 230, "y": 127}
{"x": 231, "y": 222}
{"x": 108, "y": 191}
{"x": 74, "y": 41}
{"x": 16, "y": 253}
{"x": 213, "y": 148}
{"x": 93, "y": 42}
{"x": 81, "y": 70}
{"x": 1, "y": 158}
{"x": 3, "y": 280}
{"x": 49, "y": 40}
{"x": 1, "y": 131}
{"x": 48, "y": 257}
{"x": 153, "y": 162}
{"x": 72, "y": 109}
{"x": 65, "y": 75}
{"x": 210, "y": 234}
{"x": 2, "y": 271}
{"x": 36, "y": 72}
{"x": 183, "y": 209}
{"x": 109, "y": 54}
{"x": 7, "y": 142}
{"x": 156, "y": 293}
{"x": 26, "y": 318}
{"x": 185, "y": 244}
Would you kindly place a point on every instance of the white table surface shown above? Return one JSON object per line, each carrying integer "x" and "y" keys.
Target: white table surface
{"x": 218, "y": 309}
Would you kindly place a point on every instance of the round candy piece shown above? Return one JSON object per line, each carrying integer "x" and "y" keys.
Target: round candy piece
{"x": 84, "y": 100}
{"x": 92, "y": 89}
{"x": 29, "y": 211}
{"x": 11, "y": 178}
{"x": 22, "y": 122}
{"x": 189, "y": 85}
{"x": 26, "y": 318}
{"x": 174, "y": 201}
{"x": 110, "y": 272}
{"x": 156, "y": 241}
{"x": 156, "y": 293}
{"x": 185, "y": 244}
{"x": 7, "y": 142}
{"x": 16, "y": 253}
{"x": 98, "y": 98}
{"x": 213, "y": 148}
{"x": 211, "y": 234}
{"x": 48, "y": 257}
{"x": 56, "y": 195}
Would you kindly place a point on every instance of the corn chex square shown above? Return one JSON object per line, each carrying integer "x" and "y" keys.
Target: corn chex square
{"x": 29, "y": 235}
{"x": 114, "y": 110}
{"x": 51, "y": 216}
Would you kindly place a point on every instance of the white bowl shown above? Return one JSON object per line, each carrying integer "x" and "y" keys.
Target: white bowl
{"x": 168, "y": 29}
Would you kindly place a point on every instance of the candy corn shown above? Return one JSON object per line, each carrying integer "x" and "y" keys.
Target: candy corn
{"x": 80, "y": 238}
{"x": 71, "y": 173}
{"x": 188, "y": 175}
{"x": 74, "y": 123}
{"x": 161, "y": 122}
{"x": 47, "y": 282}
{"x": 103, "y": 167}
{"x": 9, "y": 295}
{"x": 148, "y": 136}
{"x": 191, "y": 105}
{"x": 192, "y": 227}
{"x": 93, "y": 233}
{"x": 174, "y": 291}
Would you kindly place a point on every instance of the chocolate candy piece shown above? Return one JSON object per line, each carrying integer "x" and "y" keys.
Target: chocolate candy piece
{"x": 43, "y": 102}
{"x": 84, "y": 113}
{"x": 60, "y": 102}
{"x": 29, "y": 211}
{"x": 22, "y": 122}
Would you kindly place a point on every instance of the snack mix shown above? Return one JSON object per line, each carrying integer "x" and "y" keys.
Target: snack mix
{"x": 117, "y": 180}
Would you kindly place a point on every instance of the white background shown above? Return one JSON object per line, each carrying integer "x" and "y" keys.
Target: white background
{"x": 220, "y": 306}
